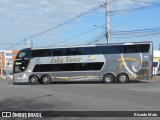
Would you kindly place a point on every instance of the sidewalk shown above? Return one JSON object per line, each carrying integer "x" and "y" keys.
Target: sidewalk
{"x": 9, "y": 80}
{"x": 156, "y": 78}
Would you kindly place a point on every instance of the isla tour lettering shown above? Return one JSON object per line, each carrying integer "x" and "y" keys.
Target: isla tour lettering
{"x": 65, "y": 60}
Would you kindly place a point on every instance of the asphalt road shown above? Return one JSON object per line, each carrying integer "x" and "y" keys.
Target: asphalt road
{"x": 80, "y": 96}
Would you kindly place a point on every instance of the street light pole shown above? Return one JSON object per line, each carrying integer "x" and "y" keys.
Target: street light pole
{"x": 29, "y": 43}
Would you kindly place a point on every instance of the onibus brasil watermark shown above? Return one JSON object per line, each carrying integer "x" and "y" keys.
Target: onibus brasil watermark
{"x": 22, "y": 114}
{"x": 39, "y": 114}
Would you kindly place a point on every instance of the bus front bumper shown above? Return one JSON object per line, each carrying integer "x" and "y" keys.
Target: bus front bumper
{"x": 20, "y": 81}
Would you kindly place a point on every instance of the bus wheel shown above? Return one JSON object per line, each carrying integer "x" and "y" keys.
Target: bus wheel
{"x": 33, "y": 80}
{"x": 46, "y": 79}
{"x": 108, "y": 78}
{"x": 122, "y": 78}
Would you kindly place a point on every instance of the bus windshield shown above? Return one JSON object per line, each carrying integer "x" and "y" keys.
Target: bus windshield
{"x": 20, "y": 66}
{"x": 24, "y": 54}
{"x": 22, "y": 60}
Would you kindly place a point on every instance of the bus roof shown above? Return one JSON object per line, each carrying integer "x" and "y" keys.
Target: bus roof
{"x": 110, "y": 44}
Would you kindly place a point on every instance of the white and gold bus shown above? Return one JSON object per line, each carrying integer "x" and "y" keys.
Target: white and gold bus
{"x": 118, "y": 62}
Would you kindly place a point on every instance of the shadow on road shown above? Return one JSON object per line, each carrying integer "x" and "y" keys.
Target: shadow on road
{"x": 95, "y": 82}
{"x": 83, "y": 82}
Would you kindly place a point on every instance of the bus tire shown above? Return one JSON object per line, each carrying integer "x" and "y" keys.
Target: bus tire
{"x": 46, "y": 79}
{"x": 108, "y": 78}
{"x": 33, "y": 80}
{"x": 122, "y": 78}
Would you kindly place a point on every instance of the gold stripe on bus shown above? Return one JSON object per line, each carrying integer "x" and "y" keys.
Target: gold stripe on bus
{"x": 127, "y": 59}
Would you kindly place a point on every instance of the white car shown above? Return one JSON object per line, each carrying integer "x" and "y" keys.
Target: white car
{"x": 156, "y": 67}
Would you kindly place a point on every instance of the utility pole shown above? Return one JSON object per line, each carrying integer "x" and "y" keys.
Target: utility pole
{"x": 107, "y": 5}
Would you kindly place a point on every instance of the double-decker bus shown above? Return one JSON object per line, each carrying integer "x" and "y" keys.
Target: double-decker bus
{"x": 117, "y": 62}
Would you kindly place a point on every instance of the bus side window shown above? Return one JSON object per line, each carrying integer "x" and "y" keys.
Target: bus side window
{"x": 56, "y": 68}
{"x": 57, "y": 52}
{"x": 143, "y": 48}
{"x": 46, "y": 52}
{"x": 130, "y": 49}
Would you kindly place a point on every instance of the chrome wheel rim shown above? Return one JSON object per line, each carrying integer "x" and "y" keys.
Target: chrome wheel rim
{"x": 45, "y": 80}
{"x": 33, "y": 80}
{"x": 122, "y": 78}
{"x": 108, "y": 79}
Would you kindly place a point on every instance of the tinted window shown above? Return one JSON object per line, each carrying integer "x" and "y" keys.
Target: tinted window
{"x": 72, "y": 51}
{"x": 68, "y": 67}
{"x": 26, "y": 53}
{"x": 57, "y": 52}
{"x": 130, "y": 49}
{"x": 136, "y": 48}
{"x": 112, "y": 49}
{"x": 20, "y": 66}
{"x": 75, "y": 51}
{"x": 141, "y": 48}
{"x": 88, "y": 50}
{"x": 41, "y": 53}
{"x": 8, "y": 54}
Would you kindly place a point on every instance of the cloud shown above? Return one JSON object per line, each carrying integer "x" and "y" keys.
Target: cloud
{"x": 26, "y": 17}
{"x": 119, "y": 5}
{"x": 22, "y": 6}
{"x": 56, "y": 10}
{"x": 4, "y": 2}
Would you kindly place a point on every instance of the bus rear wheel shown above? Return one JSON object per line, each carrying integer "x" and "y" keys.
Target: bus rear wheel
{"x": 46, "y": 79}
{"x": 122, "y": 78}
{"x": 108, "y": 78}
{"x": 33, "y": 80}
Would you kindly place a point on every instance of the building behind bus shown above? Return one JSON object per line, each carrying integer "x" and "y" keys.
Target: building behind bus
{"x": 6, "y": 62}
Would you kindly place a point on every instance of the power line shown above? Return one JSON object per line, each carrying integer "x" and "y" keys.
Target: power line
{"x": 64, "y": 23}
{"x": 136, "y": 33}
{"x": 80, "y": 34}
{"x": 7, "y": 43}
{"x": 18, "y": 43}
{"x": 83, "y": 14}
{"x": 95, "y": 39}
{"x": 145, "y": 35}
{"x": 113, "y": 1}
{"x": 115, "y": 12}
{"x": 146, "y": 2}
{"x": 126, "y": 34}
{"x": 59, "y": 25}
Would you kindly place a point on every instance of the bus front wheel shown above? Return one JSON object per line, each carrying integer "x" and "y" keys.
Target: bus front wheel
{"x": 108, "y": 78}
{"x": 46, "y": 79}
{"x": 122, "y": 78}
{"x": 33, "y": 80}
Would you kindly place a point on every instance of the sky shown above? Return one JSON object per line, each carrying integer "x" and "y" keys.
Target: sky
{"x": 21, "y": 19}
